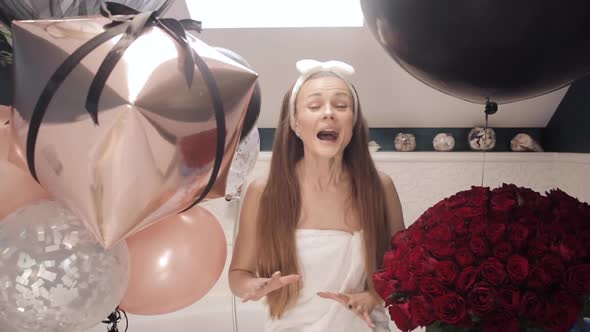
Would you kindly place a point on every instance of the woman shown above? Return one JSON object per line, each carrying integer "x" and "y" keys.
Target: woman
{"x": 312, "y": 233}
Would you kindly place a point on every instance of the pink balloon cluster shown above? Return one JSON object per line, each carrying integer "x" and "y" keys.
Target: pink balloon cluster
{"x": 172, "y": 263}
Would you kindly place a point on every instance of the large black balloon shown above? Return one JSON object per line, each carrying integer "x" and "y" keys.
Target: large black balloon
{"x": 253, "y": 110}
{"x": 40, "y": 9}
{"x": 504, "y": 50}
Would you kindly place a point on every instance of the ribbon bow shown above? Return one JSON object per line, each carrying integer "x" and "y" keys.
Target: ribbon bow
{"x": 307, "y": 67}
{"x": 113, "y": 320}
{"x": 131, "y": 24}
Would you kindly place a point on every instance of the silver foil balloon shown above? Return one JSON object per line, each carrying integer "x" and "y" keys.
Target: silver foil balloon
{"x": 153, "y": 151}
{"x": 40, "y": 9}
{"x": 54, "y": 276}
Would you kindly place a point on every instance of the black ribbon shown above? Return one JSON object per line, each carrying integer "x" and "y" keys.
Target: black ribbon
{"x": 113, "y": 320}
{"x": 131, "y": 24}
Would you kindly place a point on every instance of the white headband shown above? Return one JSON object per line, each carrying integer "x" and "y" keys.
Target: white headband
{"x": 309, "y": 67}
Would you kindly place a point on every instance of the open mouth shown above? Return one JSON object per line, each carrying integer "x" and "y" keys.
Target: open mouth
{"x": 327, "y": 135}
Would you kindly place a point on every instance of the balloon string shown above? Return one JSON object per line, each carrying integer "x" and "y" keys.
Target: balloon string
{"x": 113, "y": 320}
{"x": 491, "y": 108}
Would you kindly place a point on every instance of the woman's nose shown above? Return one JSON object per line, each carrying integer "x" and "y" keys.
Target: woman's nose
{"x": 328, "y": 112}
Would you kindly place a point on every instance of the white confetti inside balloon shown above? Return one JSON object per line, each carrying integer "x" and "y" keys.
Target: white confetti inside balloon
{"x": 54, "y": 276}
{"x": 244, "y": 161}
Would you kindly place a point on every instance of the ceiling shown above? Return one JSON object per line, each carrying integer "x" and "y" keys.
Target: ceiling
{"x": 390, "y": 97}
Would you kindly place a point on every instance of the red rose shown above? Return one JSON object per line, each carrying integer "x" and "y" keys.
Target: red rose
{"x": 417, "y": 256}
{"x": 503, "y": 202}
{"x": 458, "y": 199}
{"x": 493, "y": 271}
{"x": 446, "y": 272}
{"x": 401, "y": 270}
{"x": 459, "y": 225}
{"x": 533, "y": 307}
{"x": 450, "y": 308}
{"x": 441, "y": 232}
{"x": 585, "y": 238}
{"x": 502, "y": 250}
{"x": 553, "y": 266}
{"x": 481, "y": 299}
{"x": 466, "y": 279}
{"x": 538, "y": 278}
{"x": 399, "y": 238}
{"x": 388, "y": 262}
{"x": 529, "y": 196}
{"x": 401, "y": 251}
{"x": 478, "y": 196}
{"x": 537, "y": 247}
{"x": 562, "y": 312}
{"x": 517, "y": 268}
{"x": 470, "y": 211}
{"x": 501, "y": 321}
{"x": 401, "y": 316}
{"x": 505, "y": 188}
{"x": 543, "y": 204}
{"x": 517, "y": 234}
{"x": 415, "y": 235}
{"x": 524, "y": 216}
{"x": 495, "y": 232}
{"x": 478, "y": 225}
{"x": 478, "y": 246}
{"x": 464, "y": 257}
{"x": 384, "y": 286}
{"x": 409, "y": 284}
{"x": 430, "y": 286}
{"x": 500, "y": 216}
{"x": 569, "y": 248}
{"x": 509, "y": 298}
{"x": 421, "y": 311}
{"x": 577, "y": 279}
{"x": 441, "y": 249}
{"x": 423, "y": 268}
{"x": 562, "y": 199}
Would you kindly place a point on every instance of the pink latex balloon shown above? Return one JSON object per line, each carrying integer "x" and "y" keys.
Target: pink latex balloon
{"x": 174, "y": 262}
{"x": 17, "y": 187}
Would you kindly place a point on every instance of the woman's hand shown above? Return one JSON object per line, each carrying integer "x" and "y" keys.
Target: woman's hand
{"x": 360, "y": 303}
{"x": 259, "y": 287}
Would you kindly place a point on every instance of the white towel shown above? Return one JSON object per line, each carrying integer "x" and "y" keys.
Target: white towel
{"x": 329, "y": 261}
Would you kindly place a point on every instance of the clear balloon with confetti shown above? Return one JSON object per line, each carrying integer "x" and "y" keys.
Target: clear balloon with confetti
{"x": 54, "y": 276}
{"x": 243, "y": 162}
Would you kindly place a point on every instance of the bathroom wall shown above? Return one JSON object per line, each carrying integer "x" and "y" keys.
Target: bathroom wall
{"x": 421, "y": 178}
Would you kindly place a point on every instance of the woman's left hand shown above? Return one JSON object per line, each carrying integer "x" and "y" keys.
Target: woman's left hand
{"x": 360, "y": 303}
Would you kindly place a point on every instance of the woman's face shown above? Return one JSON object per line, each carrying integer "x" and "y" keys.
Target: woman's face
{"x": 324, "y": 116}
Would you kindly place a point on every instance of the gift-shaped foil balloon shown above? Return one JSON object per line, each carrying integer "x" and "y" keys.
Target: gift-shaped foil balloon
{"x": 126, "y": 117}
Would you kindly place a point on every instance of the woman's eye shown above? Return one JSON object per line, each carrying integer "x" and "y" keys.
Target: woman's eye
{"x": 342, "y": 106}
{"x": 313, "y": 107}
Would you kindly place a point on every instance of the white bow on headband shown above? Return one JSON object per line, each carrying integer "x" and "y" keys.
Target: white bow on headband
{"x": 308, "y": 67}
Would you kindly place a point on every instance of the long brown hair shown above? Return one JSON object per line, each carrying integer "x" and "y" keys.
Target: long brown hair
{"x": 280, "y": 206}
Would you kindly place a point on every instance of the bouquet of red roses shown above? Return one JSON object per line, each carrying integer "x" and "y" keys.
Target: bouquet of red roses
{"x": 508, "y": 259}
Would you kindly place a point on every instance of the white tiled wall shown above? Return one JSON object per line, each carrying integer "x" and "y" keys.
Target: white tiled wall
{"x": 421, "y": 178}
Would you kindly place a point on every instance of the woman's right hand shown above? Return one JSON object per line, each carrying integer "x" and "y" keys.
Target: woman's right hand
{"x": 259, "y": 287}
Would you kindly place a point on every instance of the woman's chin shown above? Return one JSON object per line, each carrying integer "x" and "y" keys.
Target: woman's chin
{"x": 326, "y": 150}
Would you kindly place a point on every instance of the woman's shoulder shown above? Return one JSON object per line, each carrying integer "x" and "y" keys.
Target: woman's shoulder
{"x": 256, "y": 187}
{"x": 386, "y": 180}
{"x": 258, "y": 184}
